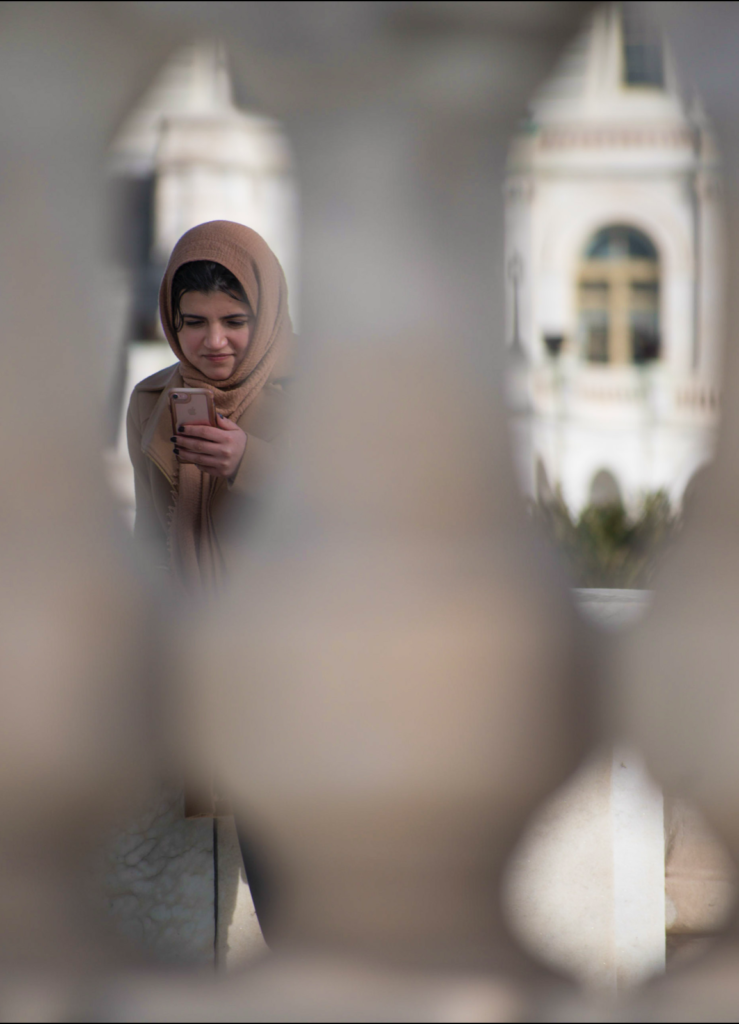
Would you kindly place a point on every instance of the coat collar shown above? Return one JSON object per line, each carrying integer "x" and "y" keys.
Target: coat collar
{"x": 155, "y": 441}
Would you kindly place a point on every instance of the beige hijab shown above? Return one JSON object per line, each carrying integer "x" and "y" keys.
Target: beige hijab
{"x": 196, "y": 558}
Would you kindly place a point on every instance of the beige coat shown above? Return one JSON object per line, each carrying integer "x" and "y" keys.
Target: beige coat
{"x": 234, "y": 505}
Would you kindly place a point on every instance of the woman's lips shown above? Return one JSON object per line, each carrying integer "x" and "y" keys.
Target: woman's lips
{"x": 218, "y": 359}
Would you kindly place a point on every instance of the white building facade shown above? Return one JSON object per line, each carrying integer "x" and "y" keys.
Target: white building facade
{"x": 615, "y": 273}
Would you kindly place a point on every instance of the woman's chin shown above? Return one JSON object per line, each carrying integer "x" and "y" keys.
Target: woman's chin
{"x": 217, "y": 371}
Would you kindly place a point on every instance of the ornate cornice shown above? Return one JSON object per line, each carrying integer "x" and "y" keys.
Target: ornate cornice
{"x": 607, "y": 137}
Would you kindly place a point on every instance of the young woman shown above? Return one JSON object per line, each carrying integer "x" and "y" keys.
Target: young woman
{"x": 223, "y": 305}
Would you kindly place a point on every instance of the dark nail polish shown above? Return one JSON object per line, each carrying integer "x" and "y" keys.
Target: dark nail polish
{"x": 181, "y": 429}
{"x": 177, "y": 451}
{"x": 173, "y": 438}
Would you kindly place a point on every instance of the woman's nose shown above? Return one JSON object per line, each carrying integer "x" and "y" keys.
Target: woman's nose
{"x": 215, "y": 336}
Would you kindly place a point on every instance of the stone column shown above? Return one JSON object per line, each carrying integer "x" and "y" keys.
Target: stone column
{"x": 405, "y": 680}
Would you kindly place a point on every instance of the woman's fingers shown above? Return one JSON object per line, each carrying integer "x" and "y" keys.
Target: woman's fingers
{"x": 202, "y": 432}
{"x": 191, "y": 444}
{"x": 216, "y": 451}
{"x": 225, "y": 423}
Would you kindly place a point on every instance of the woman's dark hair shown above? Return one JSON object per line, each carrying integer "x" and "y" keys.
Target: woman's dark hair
{"x": 203, "y": 276}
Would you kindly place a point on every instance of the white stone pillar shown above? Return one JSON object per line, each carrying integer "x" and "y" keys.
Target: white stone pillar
{"x": 637, "y": 817}
{"x": 586, "y": 888}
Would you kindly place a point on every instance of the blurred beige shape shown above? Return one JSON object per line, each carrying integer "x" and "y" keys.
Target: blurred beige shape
{"x": 679, "y": 677}
{"x": 315, "y": 988}
{"x": 700, "y": 877}
{"x": 81, "y": 634}
{"x": 394, "y": 682}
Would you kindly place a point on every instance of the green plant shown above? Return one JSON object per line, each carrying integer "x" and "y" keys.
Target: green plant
{"x": 605, "y": 546}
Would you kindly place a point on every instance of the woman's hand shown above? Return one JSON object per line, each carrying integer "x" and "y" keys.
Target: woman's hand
{"x": 216, "y": 450}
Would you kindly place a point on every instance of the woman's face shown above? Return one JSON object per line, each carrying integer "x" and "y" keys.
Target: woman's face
{"x": 215, "y": 332}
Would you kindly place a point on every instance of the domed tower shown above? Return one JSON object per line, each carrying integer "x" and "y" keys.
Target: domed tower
{"x": 614, "y": 267}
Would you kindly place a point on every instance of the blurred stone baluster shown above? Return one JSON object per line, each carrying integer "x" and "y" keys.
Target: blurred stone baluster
{"x": 679, "y": 693}
{"x": 78, "y": 731}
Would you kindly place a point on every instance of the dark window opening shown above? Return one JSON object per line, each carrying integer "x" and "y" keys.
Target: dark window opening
{"x": 131, "y": 206}
{"x": 643, "y": 51}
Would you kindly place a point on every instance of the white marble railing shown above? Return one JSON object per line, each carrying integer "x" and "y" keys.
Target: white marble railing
{"x": 587, "y": 885}
{"x": 586, "y": 889}
{"x": 573, "y": 389}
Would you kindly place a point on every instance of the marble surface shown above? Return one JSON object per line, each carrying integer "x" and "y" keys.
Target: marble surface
{"x": 586, "y": 886}
{"x": 158, "y": 883}
{"x": 158, "y": 888}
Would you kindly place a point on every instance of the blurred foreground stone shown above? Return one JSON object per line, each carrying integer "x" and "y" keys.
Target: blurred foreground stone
{"x": 398, "y": 680}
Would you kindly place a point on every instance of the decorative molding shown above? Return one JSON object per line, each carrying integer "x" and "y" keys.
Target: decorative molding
{"x": 620, "y": 138}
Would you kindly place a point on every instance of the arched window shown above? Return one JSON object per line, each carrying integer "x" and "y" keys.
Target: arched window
{"x": 618, "y": 298}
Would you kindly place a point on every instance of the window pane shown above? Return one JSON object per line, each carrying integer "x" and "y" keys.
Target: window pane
{"x": 620, "y": 242}
{"x": 641, "y": 247}
{"x": 594, "y": 335}
{"x": 600, "y": 247}
{"x": 645, "y": 340}
{"x": 643, "y": 64}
